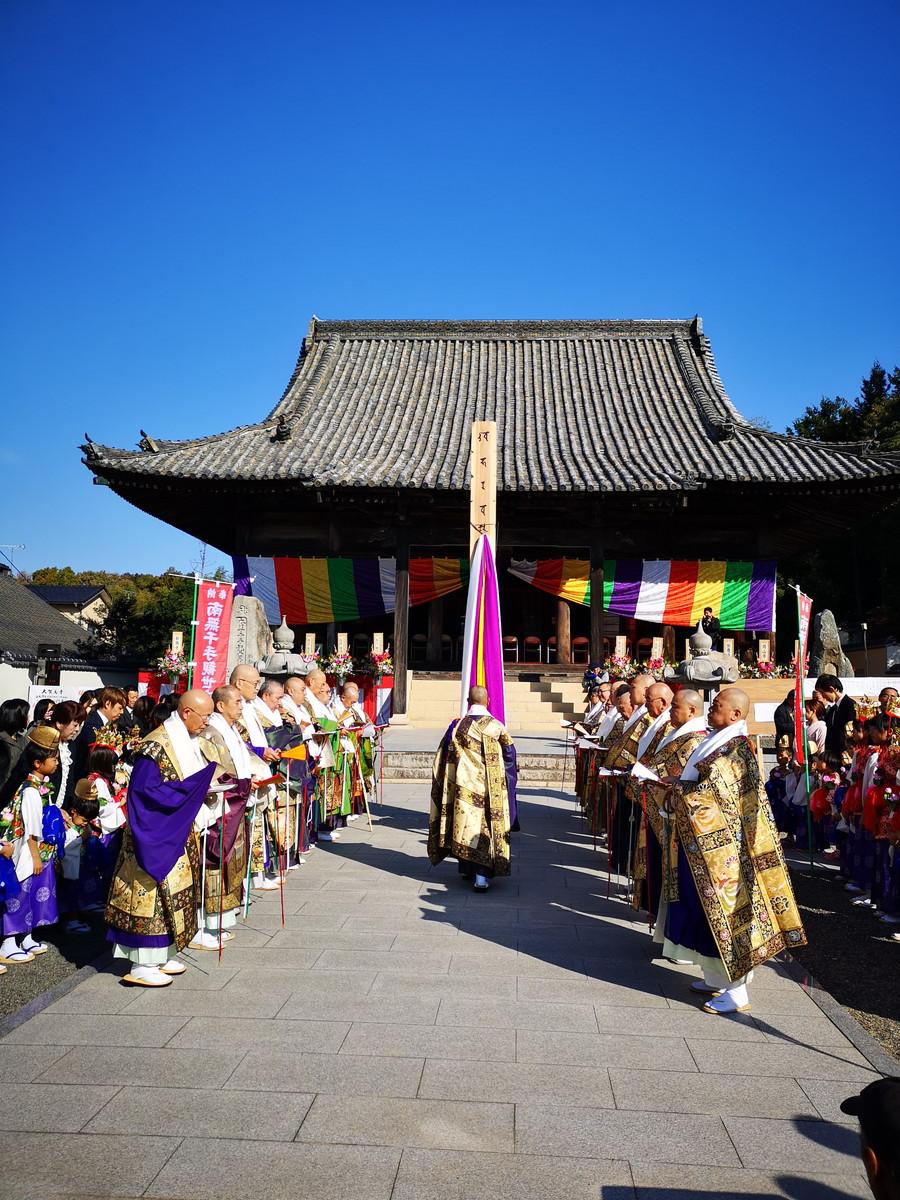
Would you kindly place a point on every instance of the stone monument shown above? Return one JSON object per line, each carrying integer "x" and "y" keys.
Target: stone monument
{"x": 828, "y": 657}
{"x": 250, "y": 638}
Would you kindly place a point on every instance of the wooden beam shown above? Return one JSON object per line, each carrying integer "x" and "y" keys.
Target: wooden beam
{"x": 597, "y": 654}
{"x": 563, "y": 631}
{"x": 401, "y": 626}
{"x": 483, "y": 483}
{"x": 435, "y": 630}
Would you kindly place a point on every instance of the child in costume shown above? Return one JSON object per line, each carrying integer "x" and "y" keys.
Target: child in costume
{"x": 776, "y": 788}
{"x": 80, "y": 837}
{"x": 104, "y": 770}
{"x": 871, "y": 793}
{"x": 38, "y": 835}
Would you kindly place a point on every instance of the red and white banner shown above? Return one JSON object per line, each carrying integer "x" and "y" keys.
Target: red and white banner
{"x": 212, "y": 632}
{"x": 804, "y": 612}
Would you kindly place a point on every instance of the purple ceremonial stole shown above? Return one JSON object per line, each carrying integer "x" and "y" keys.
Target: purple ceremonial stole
{"x": 235, "y": 808}
{"x": 160, "y": 815}
{"x": 511, "y": 770}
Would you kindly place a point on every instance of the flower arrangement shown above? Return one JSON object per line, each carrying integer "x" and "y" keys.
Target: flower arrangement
{"x": 621, "y": 666}
{"x": 339, "y": 664}
{"x": 311, "y": 661}
{"x": 7, "y": 817}
{"x": 172, "y": 663}
{"x": 377, "y": 664}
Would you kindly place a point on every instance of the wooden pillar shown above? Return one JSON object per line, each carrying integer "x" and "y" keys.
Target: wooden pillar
{"x": 435, "y": 630}
{"x": 401, "y": 626}
{"x": 597, "y": 654}
{"x": 563, "y": 631}
{"x": 669, "y": 642}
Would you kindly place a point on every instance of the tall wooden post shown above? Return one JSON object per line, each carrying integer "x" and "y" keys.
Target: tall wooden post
{"x": 563, "y": 631}
{"x": 435, "y": 631}
{"x": 401, "y": 627}
{"x": 483, "y": 495}
{"x": 597, "y": 654}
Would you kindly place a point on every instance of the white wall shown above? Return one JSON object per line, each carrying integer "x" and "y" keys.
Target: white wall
{"x": 15, "y": 681}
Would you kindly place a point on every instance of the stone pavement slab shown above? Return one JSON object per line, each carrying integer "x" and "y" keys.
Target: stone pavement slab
{"x": 401, "y": 1038}
{"x": 435, "y": 1175}
{"x": 437, "y": 1124}
{"x": 191, "y": 1112}
{"x": 236, "y": 1170}
{"x": 60, "y": 1164}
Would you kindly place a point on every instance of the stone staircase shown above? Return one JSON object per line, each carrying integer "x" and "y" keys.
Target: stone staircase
{"x": 534, "y": 703}
{"x": 414, "y": 766}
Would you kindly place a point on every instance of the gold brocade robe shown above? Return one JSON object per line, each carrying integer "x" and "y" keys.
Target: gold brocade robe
{"x": 726, "y": 829}
{"x": 215, "y": 749}
{"x": 666, "y": 763}
{"x": 469, "y": 815}
{"x": 137, "y": 903}
{"x": 622, "y": 752}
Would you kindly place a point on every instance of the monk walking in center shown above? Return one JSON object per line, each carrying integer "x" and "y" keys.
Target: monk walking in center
{"x": 473, "y": 794}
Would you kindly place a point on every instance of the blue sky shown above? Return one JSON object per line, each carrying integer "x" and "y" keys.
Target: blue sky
{"x": 187, "y": 183}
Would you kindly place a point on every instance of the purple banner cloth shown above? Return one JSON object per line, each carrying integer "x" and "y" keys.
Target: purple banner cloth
{"x": 627, "y": 587}
{"x": 241, "y": 574}
{"x": 160, "y": 815}
{"x": 488, "y": 642}
{"x": 35, "y": 905}
{"x": 760, "y": 602}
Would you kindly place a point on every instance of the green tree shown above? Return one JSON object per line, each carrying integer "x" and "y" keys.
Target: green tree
{"x": 856, "y": 576}
{"x": 874, "y": 415}
{"x": 144, "y": 609}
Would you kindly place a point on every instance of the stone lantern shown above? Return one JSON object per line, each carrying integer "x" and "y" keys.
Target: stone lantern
{"x": 281, "y": 661}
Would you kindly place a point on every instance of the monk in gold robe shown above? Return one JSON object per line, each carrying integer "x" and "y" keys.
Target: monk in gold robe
{"x": 621, "y": 757}
{"x": 735, "y": 907}
{"x": 473, "y": 794}
{"x": 154, "y": 896}
{"x": 664, "y": 759}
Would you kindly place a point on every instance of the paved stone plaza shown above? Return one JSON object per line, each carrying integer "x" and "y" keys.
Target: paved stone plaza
{"x": 403, "y": 1037}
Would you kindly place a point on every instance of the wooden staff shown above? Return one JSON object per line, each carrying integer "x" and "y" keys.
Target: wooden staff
{"x": 221, "y": 876}
{"x": 647, "y": 832}
{"x": 252, "y": 822}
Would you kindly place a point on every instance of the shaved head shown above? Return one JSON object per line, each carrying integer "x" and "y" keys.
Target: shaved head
{"x": 687, "y": 705}
{"x": 658, "y": 699}
{"x": 730, "y": 706}
{"x": 195, "y": 708}
{"x": 639, "y": 686}
{"x": 478, "y": 695}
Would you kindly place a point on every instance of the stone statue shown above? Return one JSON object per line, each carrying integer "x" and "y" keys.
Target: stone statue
{"x": 250, "y": 638}
{"x": 281, "y": 662}
{"x": 706, "y": 668}
{"x": 827, "y": 657}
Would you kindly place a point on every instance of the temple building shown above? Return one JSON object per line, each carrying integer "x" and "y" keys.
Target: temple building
{"x": 617, "y": 443}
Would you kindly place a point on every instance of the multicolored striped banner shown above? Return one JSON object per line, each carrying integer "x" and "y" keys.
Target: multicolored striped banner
{"x": 317, "y": 591}
{"x": 665, "y": 591}
{"x": 675, "y": 592}
{"x": 569, "y": 578}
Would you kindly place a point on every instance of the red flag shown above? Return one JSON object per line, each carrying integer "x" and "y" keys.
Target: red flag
{"x": 804, "y": 612}
{"x": 212, "y": 633}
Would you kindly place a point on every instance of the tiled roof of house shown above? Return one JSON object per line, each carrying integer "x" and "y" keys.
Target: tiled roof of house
{"x": 26, "y": 620}
{"x": 74, "y": 594}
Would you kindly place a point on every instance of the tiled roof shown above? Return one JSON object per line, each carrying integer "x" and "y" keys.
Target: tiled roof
{"x": 26, "y": 620}
{"x": 52, "y": 594}
{"x": 581, "y": 406}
